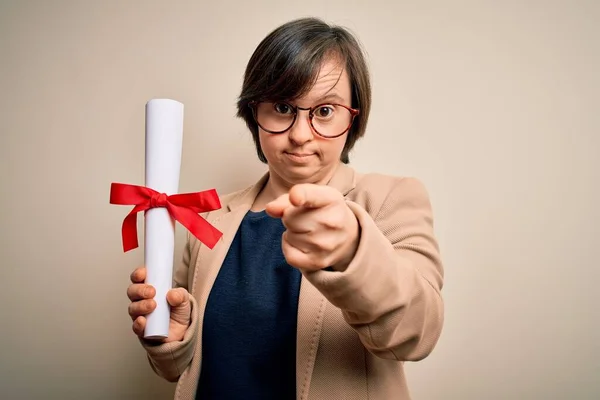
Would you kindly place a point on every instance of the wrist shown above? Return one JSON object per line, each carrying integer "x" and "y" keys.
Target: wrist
{"x": 350, "y": 248}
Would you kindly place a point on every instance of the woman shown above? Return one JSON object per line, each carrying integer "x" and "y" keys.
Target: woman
{"x": 326, "y": 280}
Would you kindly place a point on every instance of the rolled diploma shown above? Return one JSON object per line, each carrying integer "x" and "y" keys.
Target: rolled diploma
{"x": 164, "y": 136}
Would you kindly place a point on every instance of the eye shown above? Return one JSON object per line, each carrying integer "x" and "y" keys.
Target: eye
{"x": 283, "y": 108}
{"x": 324, "y": 112}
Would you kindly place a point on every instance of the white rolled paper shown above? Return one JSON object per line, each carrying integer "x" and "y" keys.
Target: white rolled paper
{"x": 164, "y": 136}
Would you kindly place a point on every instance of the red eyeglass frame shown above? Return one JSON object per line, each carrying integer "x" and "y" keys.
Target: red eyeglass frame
{"x": 353, "y": 111}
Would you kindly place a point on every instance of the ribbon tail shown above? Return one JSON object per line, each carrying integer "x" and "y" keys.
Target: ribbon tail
{"x": 129, "y": 229}
{"x": 206, "y": 233}
{"x": 198, "y": 226}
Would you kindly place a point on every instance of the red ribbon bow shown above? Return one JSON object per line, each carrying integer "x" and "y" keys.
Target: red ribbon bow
{"x": 182, "y": 207}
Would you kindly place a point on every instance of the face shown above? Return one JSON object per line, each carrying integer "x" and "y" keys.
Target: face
{"x": 299, "y": 155}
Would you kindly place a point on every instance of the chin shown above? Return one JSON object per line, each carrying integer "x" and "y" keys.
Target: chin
{"x": 302, "y": 177}
{"x": 304, "y": 174}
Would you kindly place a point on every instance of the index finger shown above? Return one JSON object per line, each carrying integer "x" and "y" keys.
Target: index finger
{"x": 313, "y": 196}
{"x": 277, "y": 207}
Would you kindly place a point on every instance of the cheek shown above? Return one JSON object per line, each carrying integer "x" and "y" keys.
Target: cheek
{"x": 333, "y": 148}
{"x": 269, "y": 144}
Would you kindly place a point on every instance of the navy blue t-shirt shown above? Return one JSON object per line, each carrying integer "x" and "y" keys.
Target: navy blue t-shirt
{"x": 249, "y": 329}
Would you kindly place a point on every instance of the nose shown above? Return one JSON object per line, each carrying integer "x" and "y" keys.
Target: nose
{"x": 301, "y": 132}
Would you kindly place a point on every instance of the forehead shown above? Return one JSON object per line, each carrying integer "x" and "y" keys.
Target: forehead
{"x": 332, "y": 79}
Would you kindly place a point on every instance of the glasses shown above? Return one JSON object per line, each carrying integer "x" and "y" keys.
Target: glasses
{"x": 327, "y": 120}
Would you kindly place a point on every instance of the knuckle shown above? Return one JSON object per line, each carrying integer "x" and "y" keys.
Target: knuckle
{"x": 130, "y": 292}
{"x": 327, "y": 246}
{"x": 334, "y": 224}
{"x": 321, "y": 262}
{"x": 137, "y": 326}
{"x": 132, "y": 309}
{"x": 148, "y": 305}
{"x": 137, "y": 291}
{"x": 146, "y": 291}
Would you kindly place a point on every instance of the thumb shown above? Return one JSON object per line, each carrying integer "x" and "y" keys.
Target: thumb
{"x": 181, "y": 309}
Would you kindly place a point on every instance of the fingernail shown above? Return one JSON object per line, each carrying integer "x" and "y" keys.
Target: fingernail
{"x": 146, "y": 292}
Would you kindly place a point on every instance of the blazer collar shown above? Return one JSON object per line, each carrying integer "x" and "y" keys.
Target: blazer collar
{"x": 344, "y": 179}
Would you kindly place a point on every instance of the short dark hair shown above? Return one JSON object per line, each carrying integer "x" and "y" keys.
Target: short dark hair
{"x": 286, "y": 64}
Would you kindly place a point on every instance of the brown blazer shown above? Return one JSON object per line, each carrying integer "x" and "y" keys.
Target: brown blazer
{"x": 355, "y": 328}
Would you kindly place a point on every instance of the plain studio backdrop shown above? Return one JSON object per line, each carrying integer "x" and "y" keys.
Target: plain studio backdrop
{"x": 492, "y": 104}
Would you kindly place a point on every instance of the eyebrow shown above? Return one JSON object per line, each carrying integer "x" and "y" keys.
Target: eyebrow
{"x": 327, "y": 97}
{"x": 330, "y": 96}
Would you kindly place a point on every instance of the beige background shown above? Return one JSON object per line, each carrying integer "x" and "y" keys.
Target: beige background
{"x": 494, "y": 105}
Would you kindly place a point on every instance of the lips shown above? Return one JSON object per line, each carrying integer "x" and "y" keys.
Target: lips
{"x": 299, "y": 158}
{"x": 299, "y": 154}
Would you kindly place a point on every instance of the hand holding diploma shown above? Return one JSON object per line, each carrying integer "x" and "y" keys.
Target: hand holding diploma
{"x": 142, "y": 304}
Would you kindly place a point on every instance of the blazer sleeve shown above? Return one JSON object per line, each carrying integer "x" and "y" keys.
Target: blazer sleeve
{"x": 390, "y": 293}
{"x": 169, "y": 360}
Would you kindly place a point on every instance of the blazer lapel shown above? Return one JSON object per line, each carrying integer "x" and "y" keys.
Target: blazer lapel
{"x": 209, "y": 261}
{"x": 311, "y": 305}
{"x": 228, "y": 221}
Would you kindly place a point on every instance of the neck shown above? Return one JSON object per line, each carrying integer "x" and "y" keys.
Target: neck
{"x": 276, "y": 186}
